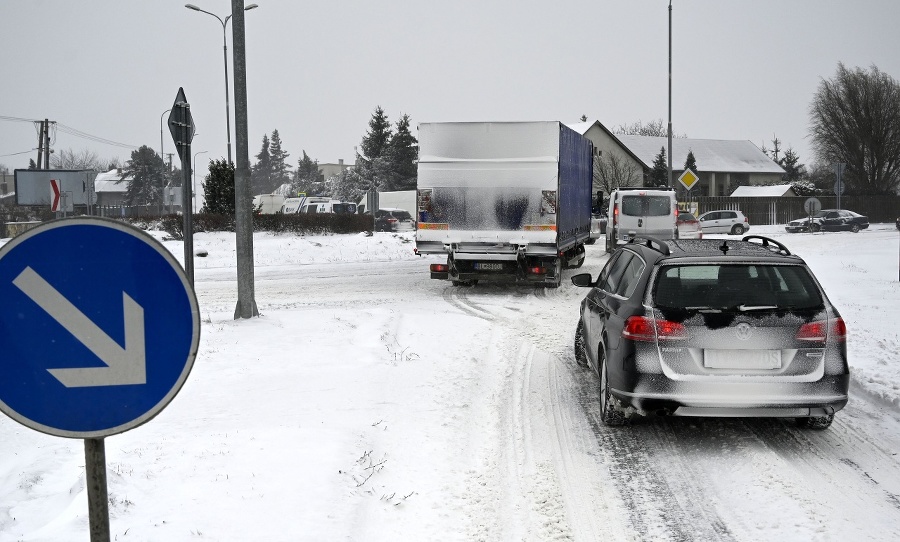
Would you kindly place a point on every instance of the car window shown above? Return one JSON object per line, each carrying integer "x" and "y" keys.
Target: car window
{"x": 402, "y": 215}
{"x": 729, "y": 214}
{"x": 785, "y": 287}
{"x": 630, "y": 277}
{"x": 636, "y": 205}
{"x": 711, "y": 216}
{"x": 611, "y": 283}
{"x": 659, "y": 206}
{"x": 606, "y": 268}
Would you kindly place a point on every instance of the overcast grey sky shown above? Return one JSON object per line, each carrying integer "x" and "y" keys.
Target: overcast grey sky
{"x": 316, "y": 69}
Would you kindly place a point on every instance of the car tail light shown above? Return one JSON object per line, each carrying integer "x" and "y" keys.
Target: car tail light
{"x": 615, "y": 214}
{"x": 642, "y": 328}
{"x": 439, "y": 268}
{"x": 537, "y": 271}
{"x": 820, "y": 331}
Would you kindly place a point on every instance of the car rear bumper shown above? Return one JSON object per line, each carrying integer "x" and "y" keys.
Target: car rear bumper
{"x": 658, "y": 394}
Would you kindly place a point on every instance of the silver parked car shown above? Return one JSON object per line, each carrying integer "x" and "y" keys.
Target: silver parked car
{"x": 725, "y": 221}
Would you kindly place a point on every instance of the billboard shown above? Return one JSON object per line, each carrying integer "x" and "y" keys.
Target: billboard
{"x": 33, "y": 186}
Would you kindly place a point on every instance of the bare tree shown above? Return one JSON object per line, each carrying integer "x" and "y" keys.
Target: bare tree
{"x": 85, "y": 159}
{"x": 654, "y": 128}
{"x": 855, "y": 119}
{"x": 612, "y": 171}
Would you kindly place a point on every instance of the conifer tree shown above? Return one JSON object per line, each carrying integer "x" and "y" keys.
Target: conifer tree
{"x": 373, "y": 165}
{"x": 690, "y": 163}
{"x": 281, "y": 170}
{"x": 376, "y": 140}
{"x": 403, "y": 154}
{"x": 261, "y": 172}
{"x": 219, "y": 188}
{"x": 659, "y": 173}
{"x": 308, "y": 179}
{"x": 145, "y": 170}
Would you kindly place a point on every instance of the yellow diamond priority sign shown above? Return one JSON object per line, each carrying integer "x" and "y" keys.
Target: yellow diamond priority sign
{"x": 688, "y": 179}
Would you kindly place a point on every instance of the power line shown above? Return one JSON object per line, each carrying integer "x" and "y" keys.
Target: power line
{"x": 74, "y": 132}
{"x": 17, "y": 153}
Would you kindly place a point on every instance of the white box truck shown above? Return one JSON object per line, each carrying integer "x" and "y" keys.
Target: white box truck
{"x": 505, "y": 201}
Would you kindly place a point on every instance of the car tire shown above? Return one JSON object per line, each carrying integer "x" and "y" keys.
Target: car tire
{"x": 609, "y": 413}
{"x": 816, "y": 422}
{"x": 737, "y": 229}
{"x": 580, "y": 348}
{"x": 591, "y": 241}
{"x": 815, "y": 228}
{"x": 854, "y": 228}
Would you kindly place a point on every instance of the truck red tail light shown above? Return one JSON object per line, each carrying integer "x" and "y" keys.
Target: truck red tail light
{"x": 642, "y": 328}
{"x": 821, "y": 330}
{"x": 439, "y": 268}
{"x": 537, "y": 271}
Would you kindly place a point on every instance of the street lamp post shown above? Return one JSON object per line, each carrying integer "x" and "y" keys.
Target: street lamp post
{"x": 163, "y": 158}
{"x": 194, "y": 183}
{"x": 225, "y": 54}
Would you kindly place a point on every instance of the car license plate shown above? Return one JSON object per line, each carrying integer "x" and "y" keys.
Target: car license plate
{"x": 489, "y": 266}
{"x": 742, "y": 359}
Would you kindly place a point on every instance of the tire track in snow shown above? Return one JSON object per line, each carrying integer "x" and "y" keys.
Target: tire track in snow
{"x": 663, "y": 498}
{"x": 455, "y": 296}
{"x": 593, "y": 509}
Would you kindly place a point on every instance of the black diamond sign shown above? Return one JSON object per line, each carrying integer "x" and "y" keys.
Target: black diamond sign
{"x": 181, "y": 124}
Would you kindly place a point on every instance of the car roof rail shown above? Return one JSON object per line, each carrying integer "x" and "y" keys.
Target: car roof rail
{"x": 652, "y": 242}
{"x": 777, "y": 248}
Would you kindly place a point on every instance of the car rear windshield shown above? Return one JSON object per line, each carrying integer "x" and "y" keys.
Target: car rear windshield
{"x": 401, "y": 215}
{"x": 637, "y": 205}
{"x": 744, "y": 286}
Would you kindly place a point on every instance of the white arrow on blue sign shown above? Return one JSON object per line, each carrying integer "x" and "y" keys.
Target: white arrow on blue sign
{"x": 99, "y": 327}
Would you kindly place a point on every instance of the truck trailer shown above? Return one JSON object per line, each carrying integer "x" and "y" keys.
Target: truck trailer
{"x": 505, "y": 201}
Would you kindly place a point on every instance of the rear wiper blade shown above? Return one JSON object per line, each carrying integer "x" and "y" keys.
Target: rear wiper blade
{"x": 744, "y": 308}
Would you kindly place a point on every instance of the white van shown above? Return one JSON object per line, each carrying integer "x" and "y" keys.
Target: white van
{"x": 267, "y": 204}
{"x": 330, "y": 206}
{"x": 640, "y": 211}
{"x": 298, "y": 205}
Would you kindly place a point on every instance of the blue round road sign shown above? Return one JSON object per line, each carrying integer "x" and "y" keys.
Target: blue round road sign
{"x": 99, "y": 327}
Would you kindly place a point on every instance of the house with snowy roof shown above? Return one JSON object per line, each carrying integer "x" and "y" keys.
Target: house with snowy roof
{"x": 722, "y": 164}
{"x": 110, "y": 188}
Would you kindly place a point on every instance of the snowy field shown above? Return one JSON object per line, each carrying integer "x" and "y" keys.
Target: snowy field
{"x": 370, "y": 403}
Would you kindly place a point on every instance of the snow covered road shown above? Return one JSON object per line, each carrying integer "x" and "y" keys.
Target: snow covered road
{"x": 369, "y": 402}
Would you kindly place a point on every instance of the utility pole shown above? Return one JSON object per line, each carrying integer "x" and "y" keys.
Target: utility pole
{"x": 669, "y": 182}
{"x": 46, "y": 144}
{"x": 40, "y": 147}
{"x": 246, "y": 305}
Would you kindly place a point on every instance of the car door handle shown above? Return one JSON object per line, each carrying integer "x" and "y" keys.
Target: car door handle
{"x": 640, "y": 222}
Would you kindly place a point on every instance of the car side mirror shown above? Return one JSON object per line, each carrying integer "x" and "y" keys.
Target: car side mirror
{"x": 583, "y": 280}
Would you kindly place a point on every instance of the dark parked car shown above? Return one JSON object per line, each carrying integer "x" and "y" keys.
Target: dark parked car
{"x": 394, "y": 220}
{"x": 829, "y": 220}
{"x": 712, "y": 328}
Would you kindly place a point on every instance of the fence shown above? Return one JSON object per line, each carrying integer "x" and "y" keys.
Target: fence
{"x": 781, "y": 210}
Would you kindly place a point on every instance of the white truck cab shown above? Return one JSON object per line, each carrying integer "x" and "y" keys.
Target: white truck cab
{"x": 640, "y": 211}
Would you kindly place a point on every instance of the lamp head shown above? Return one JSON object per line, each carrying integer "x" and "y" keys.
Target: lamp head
{"x": 192, "y": 6}
{"x": 251, "y": 6}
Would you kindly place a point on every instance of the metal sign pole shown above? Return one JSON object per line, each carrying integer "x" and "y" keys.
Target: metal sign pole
{"x": 98, "y": 501}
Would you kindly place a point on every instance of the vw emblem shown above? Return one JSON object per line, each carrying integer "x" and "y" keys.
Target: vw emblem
{"x": 743, "y": 331}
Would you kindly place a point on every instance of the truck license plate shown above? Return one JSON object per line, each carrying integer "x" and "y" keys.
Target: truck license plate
{"x": 489, "y": 266}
